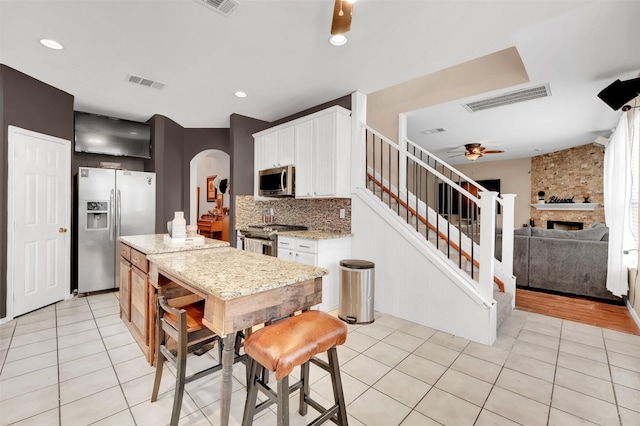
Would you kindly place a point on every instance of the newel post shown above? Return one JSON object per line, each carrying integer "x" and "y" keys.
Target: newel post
{"x": 487, "y": 242}
{"x": 508, "y": 217}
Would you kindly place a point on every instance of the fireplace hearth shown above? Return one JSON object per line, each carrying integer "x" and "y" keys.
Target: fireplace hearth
{"x": 564, "y": 225}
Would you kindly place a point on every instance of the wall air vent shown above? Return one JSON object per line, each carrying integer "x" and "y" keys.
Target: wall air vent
{"x": 509, "y": 98}
{"x": 223, "y": 7}
{"x": 136, "y": 79}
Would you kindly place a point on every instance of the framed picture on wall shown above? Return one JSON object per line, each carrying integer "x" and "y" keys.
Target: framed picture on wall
{"x": 212, "y": 192}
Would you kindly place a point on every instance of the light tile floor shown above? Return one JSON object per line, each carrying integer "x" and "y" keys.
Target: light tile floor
{"x": 75, "y": 363}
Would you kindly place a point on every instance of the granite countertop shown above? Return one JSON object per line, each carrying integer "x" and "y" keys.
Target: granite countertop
{"x": 155, "y": 244}
{"x": 228, "y": 273}
{"x": 316, "y": 235}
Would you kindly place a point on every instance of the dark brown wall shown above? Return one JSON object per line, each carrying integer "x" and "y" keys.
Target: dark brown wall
{"x": 241, "y": 183}
{"x": 84, "y": 159}
{"x": 344, "y": 102}
{"x": 167, "y": 140}
{"x": 196, "y": 141}
{"x": 30, "y": 104}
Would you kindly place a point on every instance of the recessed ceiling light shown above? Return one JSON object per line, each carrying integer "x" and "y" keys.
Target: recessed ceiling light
{"x": 240, "y": 94}
{"x": 538, "y": 149}
{"x": 338, "y": 40}
{"x": 51, "y": 44}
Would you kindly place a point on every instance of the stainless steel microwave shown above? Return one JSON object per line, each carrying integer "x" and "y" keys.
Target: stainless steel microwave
{"x": 277, "y": 182}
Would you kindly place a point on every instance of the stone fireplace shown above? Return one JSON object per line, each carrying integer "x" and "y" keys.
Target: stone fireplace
{"x": 573, "y": 172}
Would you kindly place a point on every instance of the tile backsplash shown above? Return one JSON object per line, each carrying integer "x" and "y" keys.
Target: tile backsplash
{"x": 317, "y": 214}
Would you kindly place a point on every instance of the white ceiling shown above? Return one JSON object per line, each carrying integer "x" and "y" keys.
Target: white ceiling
{"x": 277, "y": 51}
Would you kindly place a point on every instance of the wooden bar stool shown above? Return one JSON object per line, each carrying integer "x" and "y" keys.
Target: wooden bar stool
{"x": 284, "y": 345}
{"x": 184, "y": 326}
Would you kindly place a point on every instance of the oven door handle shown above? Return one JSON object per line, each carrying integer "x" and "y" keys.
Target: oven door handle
{"x": 248, "y": 241}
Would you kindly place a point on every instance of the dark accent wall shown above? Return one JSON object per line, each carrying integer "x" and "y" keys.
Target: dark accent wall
{"x": 241, "y": 135}
{"x": 167, "y": 140}
{"x": 196, "y": 141}
{"x": 84, "y": 159}
{"x": 344, "y": 102}
{"x": 30, "y": 104}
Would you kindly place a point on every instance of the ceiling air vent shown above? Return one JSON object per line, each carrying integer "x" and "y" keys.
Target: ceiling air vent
{"x": 509, "y": 98}
{"x": 431, "y": 131}
{"x": 136, "y": 79}
{"x": 223, "y": 7}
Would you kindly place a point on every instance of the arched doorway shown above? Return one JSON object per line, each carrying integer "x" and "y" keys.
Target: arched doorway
{"x": 205, "y": 164}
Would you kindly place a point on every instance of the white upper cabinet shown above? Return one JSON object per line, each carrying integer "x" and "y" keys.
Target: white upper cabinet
{"x": 319, "y": 145}
{"x": 277, "y": 148}
{"x": 286, "y": 146}
{"x": 323, "y": 147}
{"x": 268, "y": 150}
{"x": 304, "y": 159}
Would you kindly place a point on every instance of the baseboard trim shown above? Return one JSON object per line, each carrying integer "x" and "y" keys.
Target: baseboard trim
{"x": 633, "y": 313}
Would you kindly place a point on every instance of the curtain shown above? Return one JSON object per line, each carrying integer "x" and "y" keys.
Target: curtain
{"x": 617, "y": 191}
{"x": 635, "y": 176}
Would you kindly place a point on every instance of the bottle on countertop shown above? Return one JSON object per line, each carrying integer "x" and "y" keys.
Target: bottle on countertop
{"x": 179, "y": 226}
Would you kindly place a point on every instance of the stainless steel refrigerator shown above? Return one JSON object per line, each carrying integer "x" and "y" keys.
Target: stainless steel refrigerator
{"x": 111, "y": 203}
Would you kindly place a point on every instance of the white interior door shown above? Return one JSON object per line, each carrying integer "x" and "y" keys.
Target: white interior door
{"x": 38, "y": 255}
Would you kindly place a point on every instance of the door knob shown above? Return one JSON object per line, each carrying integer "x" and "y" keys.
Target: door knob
{"x": 62, "y": 230}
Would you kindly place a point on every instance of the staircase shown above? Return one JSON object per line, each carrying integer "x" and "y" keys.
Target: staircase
{"x": 432, "y": 212}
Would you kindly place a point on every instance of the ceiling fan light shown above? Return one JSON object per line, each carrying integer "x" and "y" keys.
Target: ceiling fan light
{"x": 338, "y": 40}
{"x": 472, "y": 156}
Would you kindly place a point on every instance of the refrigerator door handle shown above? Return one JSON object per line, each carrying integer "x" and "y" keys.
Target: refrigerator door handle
{"x": 111, "y": 216}
{"x": 119, "y": 212}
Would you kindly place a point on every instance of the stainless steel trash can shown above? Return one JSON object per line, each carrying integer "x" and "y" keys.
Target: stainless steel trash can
{"x": 357, "y": 279}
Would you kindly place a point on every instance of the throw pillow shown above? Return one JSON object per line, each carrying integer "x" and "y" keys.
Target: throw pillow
{"x": 524, "y": 231}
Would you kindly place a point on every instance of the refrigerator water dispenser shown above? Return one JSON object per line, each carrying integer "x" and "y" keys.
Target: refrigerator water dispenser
{"x": 97, "y": 215}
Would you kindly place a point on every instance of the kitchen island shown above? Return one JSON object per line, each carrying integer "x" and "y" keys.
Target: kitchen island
{"x": 241, "y": 289}
{"x": 137, "y": 296}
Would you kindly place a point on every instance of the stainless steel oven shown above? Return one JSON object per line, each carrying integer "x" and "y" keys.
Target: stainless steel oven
{"x": 264, "y": 238}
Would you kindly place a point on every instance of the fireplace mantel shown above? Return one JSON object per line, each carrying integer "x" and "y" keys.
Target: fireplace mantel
{"x": 566, "y": 206}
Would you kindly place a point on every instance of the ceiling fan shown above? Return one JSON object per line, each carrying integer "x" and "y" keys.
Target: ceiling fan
{"x": 342, "y": 14}
{"x": 473, "y": 151}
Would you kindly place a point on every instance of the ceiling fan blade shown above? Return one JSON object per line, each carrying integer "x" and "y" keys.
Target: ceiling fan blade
{"x": 492, "y": 151}
{"x": 341, "y": 24}
{"x": 458, "y": 155}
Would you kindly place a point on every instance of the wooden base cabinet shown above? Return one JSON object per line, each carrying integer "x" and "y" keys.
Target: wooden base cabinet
{"x": 137, "y": 298}
{"x": 326, "y": 254}
{"x": 139, "y": 304}
{"x": 125, "y": 289}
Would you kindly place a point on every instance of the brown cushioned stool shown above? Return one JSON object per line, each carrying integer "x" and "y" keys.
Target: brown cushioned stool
{"x": 184, "y": 325}
{"x": 280, "y": 347}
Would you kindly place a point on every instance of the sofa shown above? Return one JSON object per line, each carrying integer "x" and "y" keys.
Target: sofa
{"x": 571, "y": 262}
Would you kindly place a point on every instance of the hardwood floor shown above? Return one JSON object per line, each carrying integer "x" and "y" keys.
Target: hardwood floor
{"x": 613, "y": 317}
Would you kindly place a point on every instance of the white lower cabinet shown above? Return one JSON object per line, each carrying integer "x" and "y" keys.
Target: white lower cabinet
{"x": 322, "y": 253}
